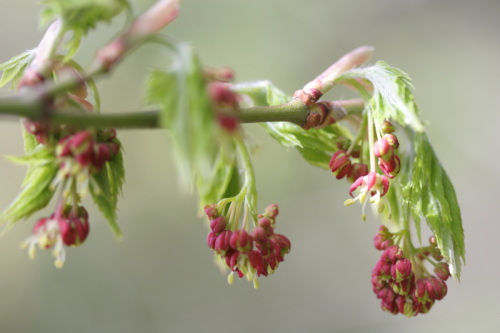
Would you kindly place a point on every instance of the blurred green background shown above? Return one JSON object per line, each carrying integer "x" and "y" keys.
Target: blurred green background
{"x": 160, "y": 278}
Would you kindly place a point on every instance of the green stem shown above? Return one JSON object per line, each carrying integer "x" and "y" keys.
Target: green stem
{"x": 371, "y": 142}
{"x": 359, "y": 136}
{"x": 294, "y": 112}
{"x": 251, "y": 191}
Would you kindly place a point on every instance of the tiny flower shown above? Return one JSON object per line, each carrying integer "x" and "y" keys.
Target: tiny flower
{"x": 340, "y": 164}
{"x": 391, "y": 167}
{"x": 392, "y": 254}
{"x": 211, "y": 238}
{"x": 265, "y": 224}
{"x": 383, "y": 149}
{"x": 374, "y": 185}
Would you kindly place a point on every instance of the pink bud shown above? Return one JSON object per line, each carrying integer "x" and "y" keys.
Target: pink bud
{"x": 386, "y": 244}
{"x": 271, "y": 211}
{"x": 391, "y": 254}
{"x": 357, "y": 170}
{"x": 442, "y": 271}
{"x": 265, "y": 224}
{"x": 383, "y": 150}
{"x": 340, "y": 164}
{"x": 221, "y": 94}
{"x": 283, "y": 244}
{"x": 218, "y": 224}
{"x": 378, "y": 283}
{"x": 222, "y": 241}
{"x": 241, "y": 241}
{"x": 102, "y": 156}
{"x": 392, "y": 140}
{"x": 211, "y": 238}
{"x": 211, "y": 211}
{"x": 401, "y": 270}
{"x": 391, "y": 167}
{"x": 401, "y": 301}
{"x": 259, "y": 235}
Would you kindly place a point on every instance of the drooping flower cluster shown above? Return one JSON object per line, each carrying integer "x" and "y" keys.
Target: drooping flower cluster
{"x": 371, "y": 184}
{"x": 401, "y": 281}
{"x": 68, "y": 226}
{"x": 248, "y": 254}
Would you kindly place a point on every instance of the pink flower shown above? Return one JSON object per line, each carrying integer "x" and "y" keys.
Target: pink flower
{"x": 373, "y": 185}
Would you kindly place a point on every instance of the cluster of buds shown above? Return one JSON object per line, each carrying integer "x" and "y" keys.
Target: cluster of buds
{"x": 84, "y": 150}
{"x": 225, "y": 100}
{"x": 400, "y": 288}
{"x": 384, "y": 148}
{"x": 68, "y": 226}
{"x": 371, "y": 184}
{"x": 248, "y": 254}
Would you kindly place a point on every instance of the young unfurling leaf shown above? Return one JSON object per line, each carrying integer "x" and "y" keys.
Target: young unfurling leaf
{"x": 392, "y": 98}
{"x": 13, "y": 69}
{"x": 429, "y": 192}
{"x": 109, "y": 183}
{"x": 187, "y": 113}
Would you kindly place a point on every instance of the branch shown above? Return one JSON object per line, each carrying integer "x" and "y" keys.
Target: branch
{"x": 295, "y": 112}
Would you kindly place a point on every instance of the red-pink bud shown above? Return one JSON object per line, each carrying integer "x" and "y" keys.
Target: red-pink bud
{"x": 401, "y": 301}
{"x": 222, "y": 242}
{"x": 74, "y": 228}
{"x": 391, "y": 254}
{"x": 211, "y": 238}
{"x": 383, "y": 150}
{"x": 259, "y": 235}
{"x": 211, "y": 211}
{"x": 392, "y": 140}
{"x": 357, "y": 170}
{"x": 283, "y": 244}
{"x": 391, "y": 167}
{"x": 340, "y": 164}
{"x": 220, "y": 93}
{"x": 378, "y": 283}
{"x": 241, "y": 241}
{"x": 271, "y": 211}
{"x": 102, "y": 156}
{"x": 218, "y": 224}
{"x": 265, "y": 224}
{"x": 401, "y": 270}
{"x": 442, "y": 271}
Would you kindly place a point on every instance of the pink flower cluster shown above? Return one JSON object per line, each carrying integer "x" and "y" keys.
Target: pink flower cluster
{"x": 397, "y": 285}
{"x": 248, "y": 254}
{"x": 68, "y": 226}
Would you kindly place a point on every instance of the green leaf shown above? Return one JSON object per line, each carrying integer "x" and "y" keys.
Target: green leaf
{"x": 39, "y": 155}
{"x": 428, "y": 191}
{"x": 30, "y": 141}
{"x": 315, "y": 146}
{"x": 13, "y": 69}
{"x": 213, "y": 188}
{"x": 81, "y": 15}
{"x": 392, "y": 97}
{"x": 35, "y": 195}
{"x": 187, "y": 113}
{"x": 106, "y": 189}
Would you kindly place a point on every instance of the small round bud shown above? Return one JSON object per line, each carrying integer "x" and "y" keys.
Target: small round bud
{"x": 442, "y": 271}
{"x": 218, "y": 224}
{"x": 387, "y": 127}
{"x": 211, "y": 211}
{"x": 340, "y": 164}
{"x": 271, "y": 211}
{"x": 265, "y": 224}
{"x": 401, "y": 270}
{"x": 222, "y": 241}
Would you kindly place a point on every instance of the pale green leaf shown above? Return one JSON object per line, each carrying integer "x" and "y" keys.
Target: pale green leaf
{"x": 392, "y": 97}
{"x": 82, "y": 15}
{"x": 39, "y": 155}
{"x": 13, "y": 69}
{"x": 187, "y": 113}
{"x": 109, "y": 182}
{"x": 35, "y": 195}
